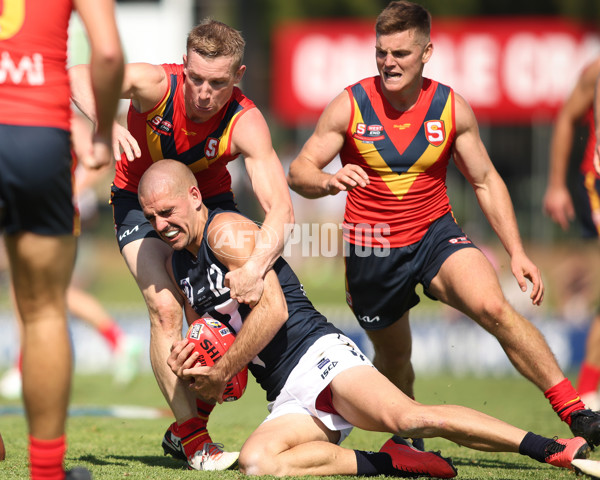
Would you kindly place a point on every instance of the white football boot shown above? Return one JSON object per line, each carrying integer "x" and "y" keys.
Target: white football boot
{"x": 213, "y": 458}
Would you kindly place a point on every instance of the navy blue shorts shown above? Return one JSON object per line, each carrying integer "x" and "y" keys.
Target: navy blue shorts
{"x": 36, "y": 189}
{"x": 588, "y": 205}
{"x": 129, "y": 220}
{"x": 380, "y": 289}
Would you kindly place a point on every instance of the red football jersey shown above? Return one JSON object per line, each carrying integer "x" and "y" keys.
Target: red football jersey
{"x": 405, "y": 155}
{"x": 34, "y": 85}
{"x": 166, "y": 132}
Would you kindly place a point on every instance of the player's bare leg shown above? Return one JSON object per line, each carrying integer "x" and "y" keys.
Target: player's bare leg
{"x": 166, "y": 315}
{"x": 41, "y": 268}
{"x": 188, "y": 437}
{"x": 468, "y": 282}
{"x": 393, "y": 349}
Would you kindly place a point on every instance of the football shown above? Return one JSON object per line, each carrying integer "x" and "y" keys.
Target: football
{"x": 211, "y": 340}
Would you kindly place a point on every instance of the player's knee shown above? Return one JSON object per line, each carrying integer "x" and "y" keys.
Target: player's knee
{"x": 256, "y": 461}
{"x": 393, "y": 358}
{"x": 496, "y": 310}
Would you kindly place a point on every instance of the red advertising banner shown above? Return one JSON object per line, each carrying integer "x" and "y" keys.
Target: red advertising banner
{"x": 510, "y": 69}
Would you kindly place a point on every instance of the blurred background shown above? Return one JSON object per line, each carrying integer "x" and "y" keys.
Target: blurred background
{"x": 515, "y": 61}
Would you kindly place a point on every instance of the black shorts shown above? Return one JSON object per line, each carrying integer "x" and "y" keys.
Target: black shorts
{"x": 588, "y": 205}
{"x": 380, "y": 289}
{"x": 36, "y": 189}
{"x": 129, "y": 220}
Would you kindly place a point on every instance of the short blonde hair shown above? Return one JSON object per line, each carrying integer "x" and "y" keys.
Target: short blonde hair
{"x": 211, "y": 38}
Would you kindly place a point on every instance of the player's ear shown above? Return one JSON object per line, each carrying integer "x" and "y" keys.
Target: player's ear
{"x": 427, "y": 52}
{"x": 237, "y": 77}
{"x": 196, "y": 196}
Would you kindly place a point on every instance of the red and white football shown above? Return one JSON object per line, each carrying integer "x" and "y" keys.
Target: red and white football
{"x": 211, "y": 340}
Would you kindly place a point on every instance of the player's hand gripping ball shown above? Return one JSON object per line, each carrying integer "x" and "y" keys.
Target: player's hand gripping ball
{"x": 211, "y": 340}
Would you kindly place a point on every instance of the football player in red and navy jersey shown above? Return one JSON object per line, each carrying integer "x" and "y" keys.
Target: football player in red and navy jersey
{"x": 37, "y": 214}
{"x": 395, "y": 134}
{"x": 193, "y": 113}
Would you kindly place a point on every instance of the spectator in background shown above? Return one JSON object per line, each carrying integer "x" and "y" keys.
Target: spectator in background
{"x": 395, "y": 133}
{"x": 36, "y": 198}
{"x": 193, "y": 113}
{"x": 559, "y": 206}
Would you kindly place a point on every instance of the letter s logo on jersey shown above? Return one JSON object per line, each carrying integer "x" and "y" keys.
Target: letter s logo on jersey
{"x": 435, "y": 132}
{"x": 212, "y": 148}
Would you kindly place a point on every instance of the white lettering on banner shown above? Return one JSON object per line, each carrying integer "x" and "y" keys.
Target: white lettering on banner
{"x": 506, "y": 70}
{"x": 322, "y": 66}
{"x": 30, "y": 68}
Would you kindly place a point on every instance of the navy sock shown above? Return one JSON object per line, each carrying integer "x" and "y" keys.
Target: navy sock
{"x": 369, "y": 464}
{"x": 534, "y": 446}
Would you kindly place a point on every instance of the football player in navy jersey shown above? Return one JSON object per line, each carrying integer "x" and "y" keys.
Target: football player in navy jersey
{"x": 319, "y": 383}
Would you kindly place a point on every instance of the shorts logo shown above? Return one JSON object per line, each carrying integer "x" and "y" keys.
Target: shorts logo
{"x": 367, "y": 319}
{"x": 322, "y": 363}
{"x": 160, "y": 126}
{"x": 329, "y": 368}
{"x": 459, "y": 240}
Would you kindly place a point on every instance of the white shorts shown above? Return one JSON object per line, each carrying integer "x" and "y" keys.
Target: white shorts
{"x": 326, "y": 358}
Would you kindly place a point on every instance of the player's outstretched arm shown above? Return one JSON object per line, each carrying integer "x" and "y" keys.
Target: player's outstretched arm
{"x": 473, "y": 161}
{"x": 143, "y": 83}
{"x": 106, "y": 75}
{"x": 306, "y": 176}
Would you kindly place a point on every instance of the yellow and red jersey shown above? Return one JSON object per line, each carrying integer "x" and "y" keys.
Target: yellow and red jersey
{"x": 34, "y": 85}
{"x": 166, "y": 132}
{"x": 405, "y": 155}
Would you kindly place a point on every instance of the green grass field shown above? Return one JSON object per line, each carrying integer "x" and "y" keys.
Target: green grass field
{"x": 121, "y": 448}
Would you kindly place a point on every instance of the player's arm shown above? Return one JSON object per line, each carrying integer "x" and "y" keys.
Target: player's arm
{"x": 259, "y": 327}
{"x": 557, "y": 202}
{"x": 306, "y": 175}
{"x": 105, "y": 77}
{"x": 473, "y": 161}
{"x": 251, "y": 138}
{"x": 143, "y": 83}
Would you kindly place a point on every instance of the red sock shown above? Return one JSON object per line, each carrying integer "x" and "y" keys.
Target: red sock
{"x": 589, "y": 377}
{"x": 112, "y": 334}
{"x": 564, "y": 400}
{"x": 193, "y": 435}
{"x": 46, "y": 458}
{"x": 204, "y": 410}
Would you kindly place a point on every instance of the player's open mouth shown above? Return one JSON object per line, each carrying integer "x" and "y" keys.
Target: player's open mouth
{"x": 171, "y": 233}
{"x": 391, "y": 75}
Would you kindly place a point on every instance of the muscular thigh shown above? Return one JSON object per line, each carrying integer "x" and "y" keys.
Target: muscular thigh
{"x": 467, "y": 281}
{"x": 36, "y": 183}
